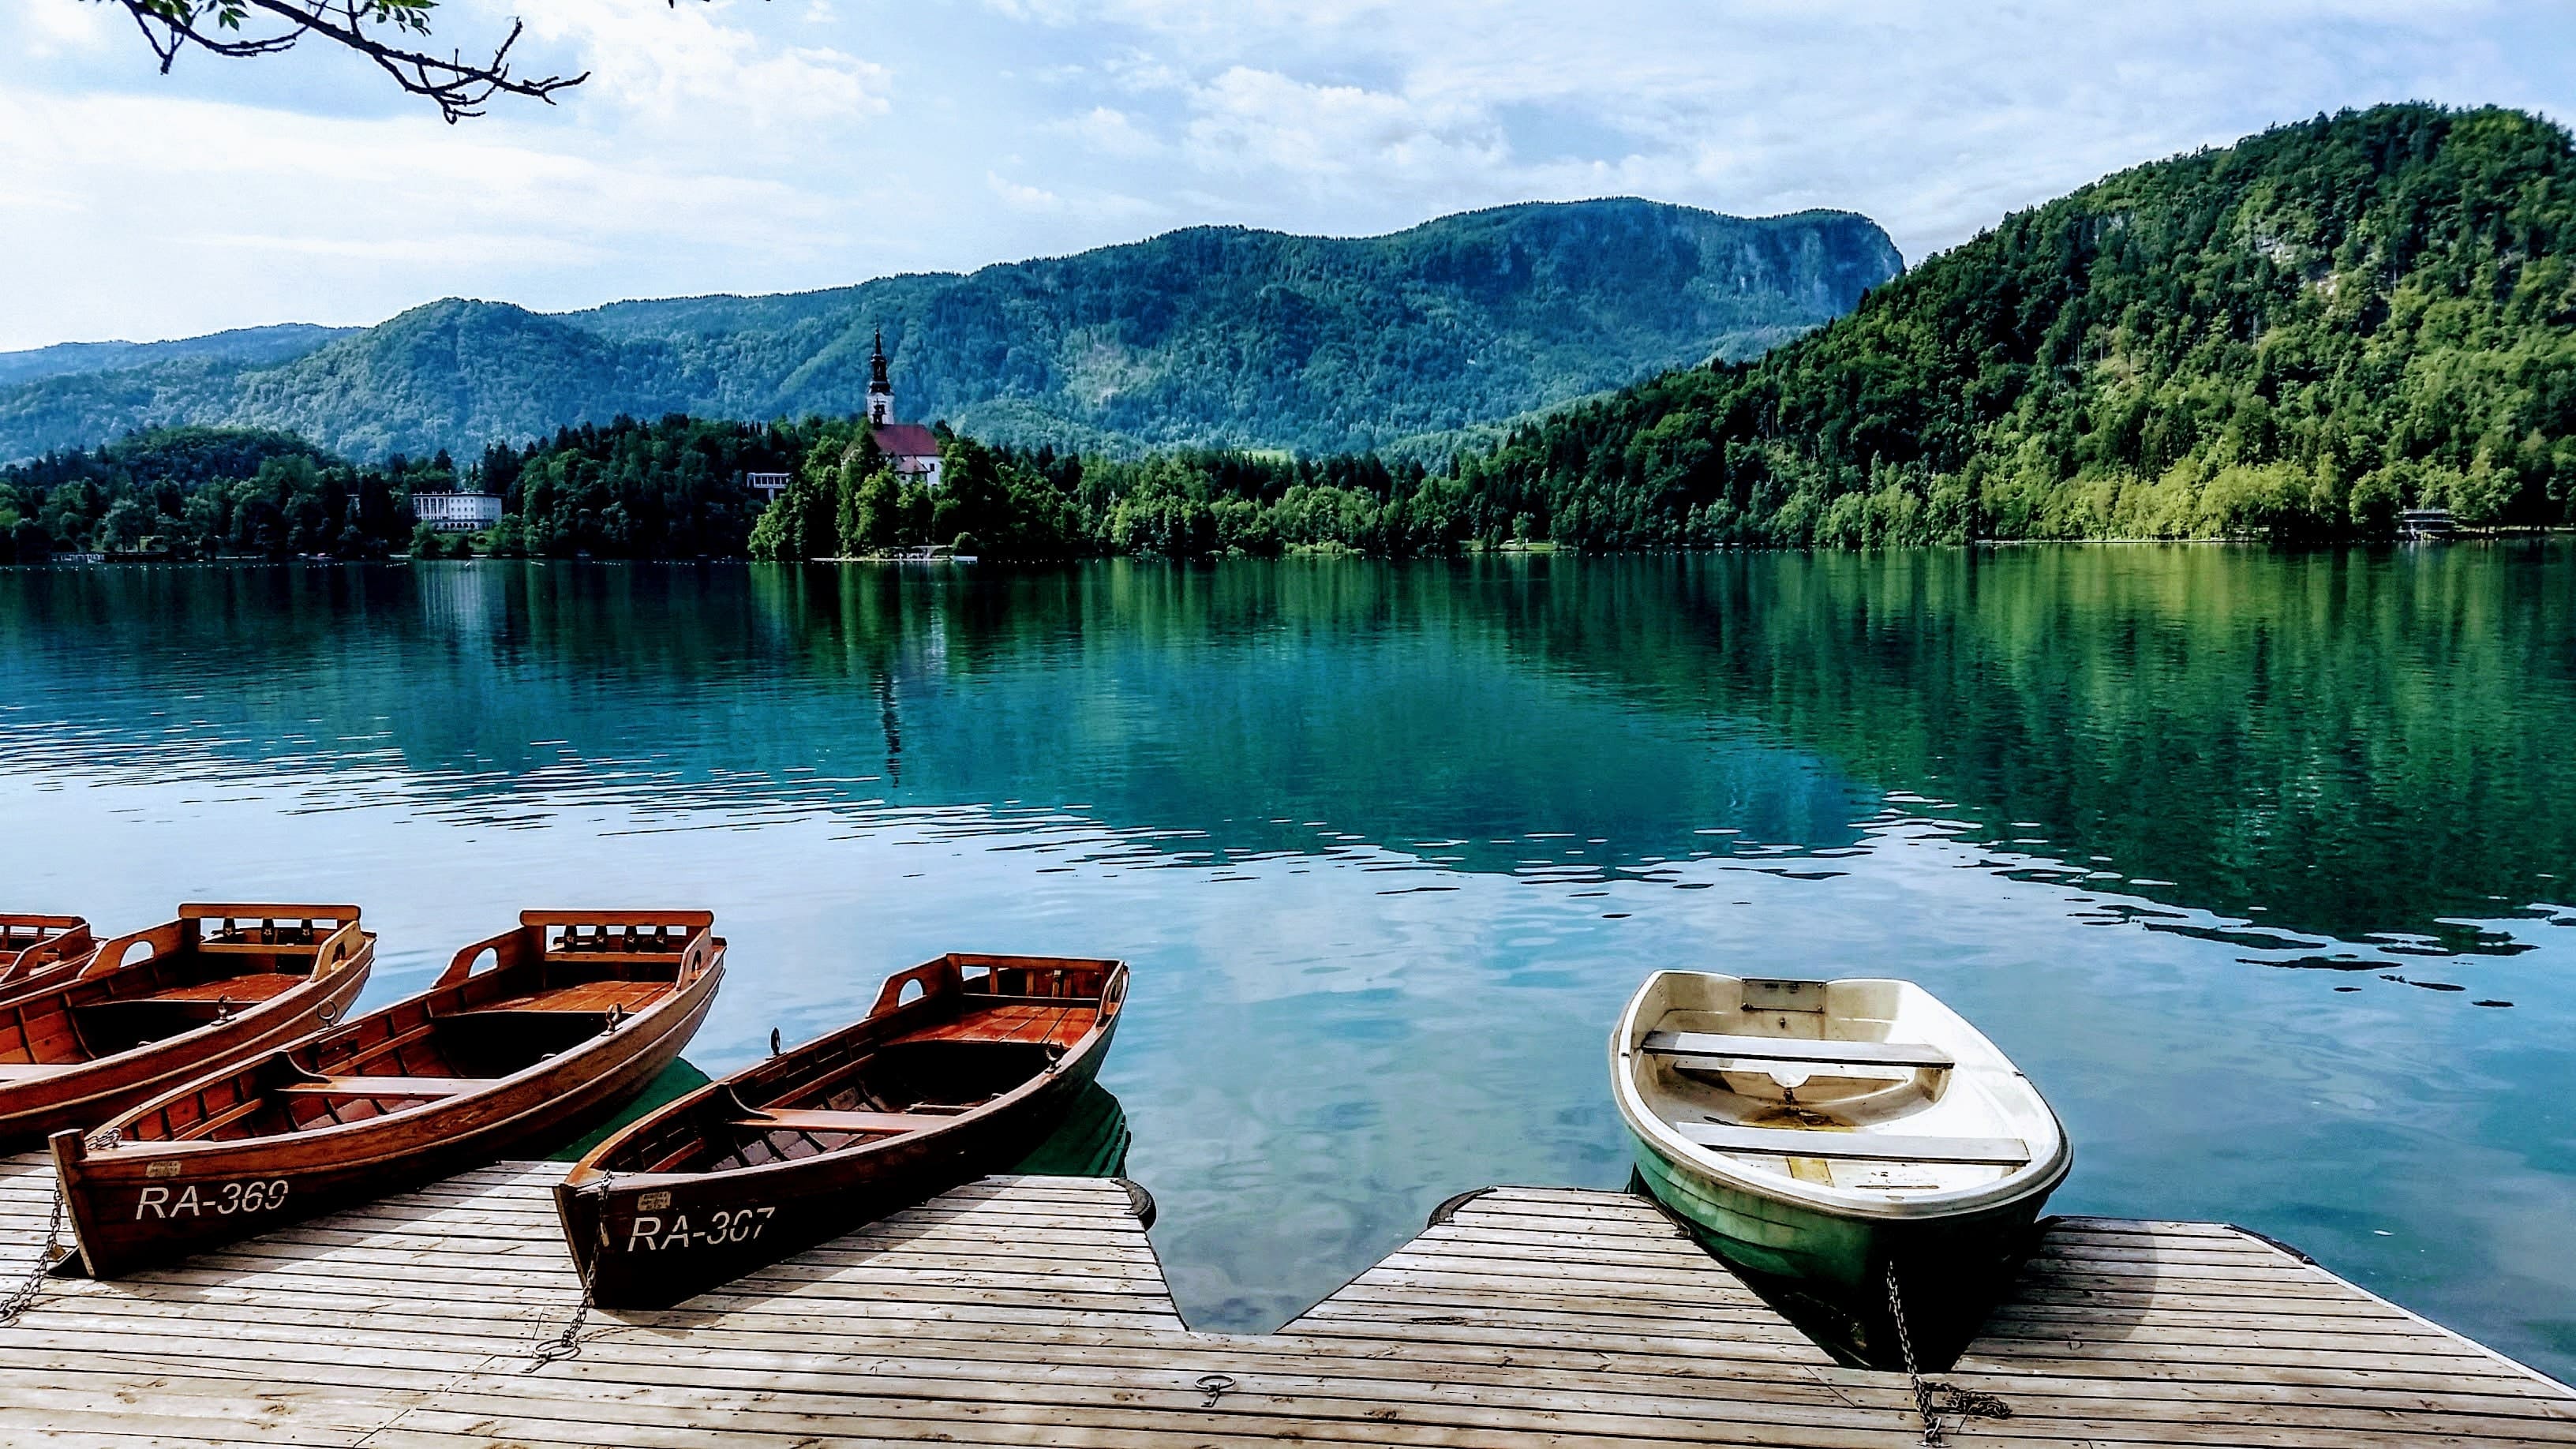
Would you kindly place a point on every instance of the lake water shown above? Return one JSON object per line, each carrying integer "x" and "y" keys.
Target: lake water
{"x": 2253, "y": 861}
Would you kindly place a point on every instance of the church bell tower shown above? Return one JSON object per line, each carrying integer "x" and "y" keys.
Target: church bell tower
{"x": 880, "y": 389}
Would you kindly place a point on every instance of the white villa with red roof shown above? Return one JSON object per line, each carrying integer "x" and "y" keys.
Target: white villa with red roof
{"x": 910, "y": 448}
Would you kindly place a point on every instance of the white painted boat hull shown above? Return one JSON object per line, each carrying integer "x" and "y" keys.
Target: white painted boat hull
{"x": 1821, "y": 1231}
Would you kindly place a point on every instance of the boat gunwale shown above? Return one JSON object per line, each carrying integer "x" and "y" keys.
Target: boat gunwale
{"x": 2039, "y": 1178}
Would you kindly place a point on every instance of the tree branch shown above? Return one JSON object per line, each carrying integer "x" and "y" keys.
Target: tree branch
{"x": 460, "y": 88}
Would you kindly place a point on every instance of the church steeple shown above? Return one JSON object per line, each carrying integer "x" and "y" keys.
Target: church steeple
{"x": 880, "y": 389}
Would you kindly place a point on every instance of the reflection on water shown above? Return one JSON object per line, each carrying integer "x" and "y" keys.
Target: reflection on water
{"x": 1388, "y": 844}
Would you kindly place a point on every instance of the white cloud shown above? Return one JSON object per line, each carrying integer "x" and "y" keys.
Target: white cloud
{"x": 1083, "y": 203}
{"x": 684, "y": 64}
{"x": 1251, "y": 119}
{"x": 59, "y": 26}
{"x": 1106, "y": 132}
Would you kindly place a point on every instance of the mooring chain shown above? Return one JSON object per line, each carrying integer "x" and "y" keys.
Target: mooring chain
{"x": 1932, "y": 1399}
{"x": 23, "y": 1297}
{"x": 567, "y": 1344}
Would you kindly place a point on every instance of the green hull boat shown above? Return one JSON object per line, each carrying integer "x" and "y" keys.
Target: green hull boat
{"x": 1821, "y": 1136}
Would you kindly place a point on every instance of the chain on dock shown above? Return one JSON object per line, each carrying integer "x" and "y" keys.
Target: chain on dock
{"x": 567, "y": 1344}
{"x": 23, "y": 1297}
{"x": 1932, "y": 1399}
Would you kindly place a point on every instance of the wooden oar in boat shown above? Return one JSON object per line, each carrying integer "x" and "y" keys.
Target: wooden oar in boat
{"x": 963, "y": 1067}
{"x": 150, "y": 1010}
{"x": 576, "y": 1012}
{"x": 35, "y": 949}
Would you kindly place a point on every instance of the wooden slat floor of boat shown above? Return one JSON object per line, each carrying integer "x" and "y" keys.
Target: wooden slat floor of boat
{"x": 1060, "y": 1022}
{"x": 1032, "y": 1311}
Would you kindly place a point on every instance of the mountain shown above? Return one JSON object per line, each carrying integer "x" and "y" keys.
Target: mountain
{"x": 253, "y": 345}
{"x": 2292, "y": 337}
{"x": 1209, "y": 336}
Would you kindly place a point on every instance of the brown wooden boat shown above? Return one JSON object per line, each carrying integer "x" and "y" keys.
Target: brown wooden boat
{"x": 35, "y": 949}
{"x": 962, "y": 1068}
{"x": 148, "y": 1011}
{"x": 575, "y": 1014}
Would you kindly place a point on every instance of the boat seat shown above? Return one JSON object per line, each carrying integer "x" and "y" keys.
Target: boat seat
{"x": 248, "y": 989}
{"x": 1856, "y": 1146}
{"x": 801, "y": 1121}
{"x": 1785, "y": 1049}
{"x": 591, "y": 997}
{"x": 33, "y": 1071}
{"x": 387, "y": 1086}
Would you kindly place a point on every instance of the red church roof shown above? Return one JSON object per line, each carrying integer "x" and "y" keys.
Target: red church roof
{"x": 907, "y": 440}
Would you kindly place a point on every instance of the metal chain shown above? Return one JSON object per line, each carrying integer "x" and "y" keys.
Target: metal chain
{"x": 1932, "y": 1399}
{"x": 23, "y": 1297}
{"x": 567, "y": 1344}
{"x": 1905, "y": 1348}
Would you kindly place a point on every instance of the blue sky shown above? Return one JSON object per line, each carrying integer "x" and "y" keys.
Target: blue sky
{"x": 768, "y": 145}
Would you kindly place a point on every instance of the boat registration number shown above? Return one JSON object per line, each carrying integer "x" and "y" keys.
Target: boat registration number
{"x": 724, "y": 1225}
{"x": 218, "y": 1199}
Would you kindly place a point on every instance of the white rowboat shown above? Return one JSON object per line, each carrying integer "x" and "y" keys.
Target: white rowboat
{"x": 1812, "y": 1133}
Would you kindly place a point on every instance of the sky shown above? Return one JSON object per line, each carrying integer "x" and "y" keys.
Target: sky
{"x": 775, "y": 145}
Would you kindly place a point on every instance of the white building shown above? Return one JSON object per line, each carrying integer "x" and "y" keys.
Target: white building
{"x": 911, "y": 449}
{"x": 457, "y": 512}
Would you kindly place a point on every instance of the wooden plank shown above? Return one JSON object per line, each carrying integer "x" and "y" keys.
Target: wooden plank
{"x": 1855, "y": 1146}
{"x": 1788, "y": 1049}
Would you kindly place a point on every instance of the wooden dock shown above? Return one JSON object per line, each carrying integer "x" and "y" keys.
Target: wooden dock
{"x": 1028, "y": 1311}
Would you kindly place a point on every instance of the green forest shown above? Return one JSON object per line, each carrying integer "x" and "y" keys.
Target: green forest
{"x": 2289, "y": 339}
{"x": 1210, "y": 336}
{"x": 210, "y": 492}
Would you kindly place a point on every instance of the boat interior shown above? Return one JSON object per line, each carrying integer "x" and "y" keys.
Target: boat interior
{"x": 206, "y": 967}
{"x": 1867, "y": 1085}
{"x": 33, "y": 944}
{"x": 504, "y": 1006}
{"x": 944, "y": 1039}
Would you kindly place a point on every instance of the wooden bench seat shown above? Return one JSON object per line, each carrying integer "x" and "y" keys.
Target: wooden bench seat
{"x": 388, "y": 1086}
{"x": 248, "y": 989}
{"x": 802, "y": 1121}
{"x": 1855, "y": 1146}
{"x": 1784, "y": 1049}
{"x": 589, "y": 996}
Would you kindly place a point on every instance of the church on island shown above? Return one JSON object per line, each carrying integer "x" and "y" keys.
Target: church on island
{"x": 911, "y": 449}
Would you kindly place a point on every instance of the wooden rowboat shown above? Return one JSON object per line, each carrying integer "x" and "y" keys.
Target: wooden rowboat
{"x": 33, "y": 949}
{"x": 219, "y": 984}
{"x": 574, "y": 1014}
{"x": 963, "y": 1067}
{"x": 1814, "y": 1134}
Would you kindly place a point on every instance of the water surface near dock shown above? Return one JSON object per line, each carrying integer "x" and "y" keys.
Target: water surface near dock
{"x": 2204, "y": 837}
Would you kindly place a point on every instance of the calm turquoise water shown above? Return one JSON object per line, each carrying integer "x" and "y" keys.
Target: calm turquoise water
{"x": 2249, "y": 859}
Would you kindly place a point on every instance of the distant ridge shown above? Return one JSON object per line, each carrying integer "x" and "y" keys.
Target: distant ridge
{"x": 280, "y": 342}
{"x": 1217, "y": 336}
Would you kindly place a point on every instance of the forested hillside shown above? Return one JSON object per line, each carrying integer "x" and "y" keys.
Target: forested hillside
{"x": 2292, "y": 337}
{"x": 1216, "y": 336}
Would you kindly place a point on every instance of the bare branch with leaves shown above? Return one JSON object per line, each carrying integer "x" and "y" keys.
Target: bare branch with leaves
{"x": 388, "y": 32}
